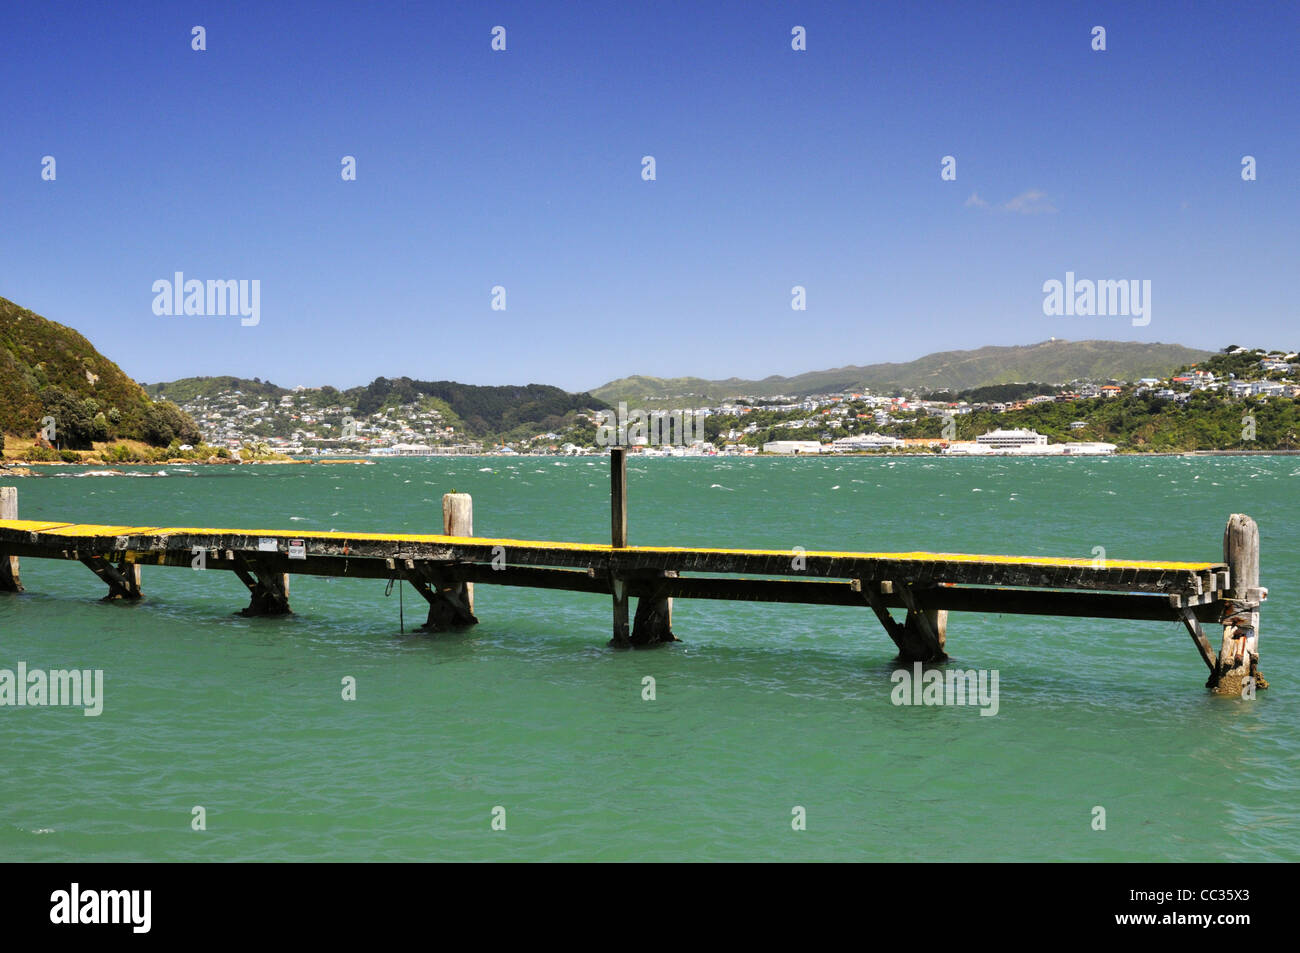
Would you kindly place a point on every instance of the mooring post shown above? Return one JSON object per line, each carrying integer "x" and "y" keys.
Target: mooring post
{"x": 451, "y": 602}
{"x": 618, "y": 497}
{"x": 653, "y": 621}
{"x": 458, "y": 520}
{"x": 618, "y": 540}
{"x": 1237, "y": 672}
{"x": 9, "y": 579}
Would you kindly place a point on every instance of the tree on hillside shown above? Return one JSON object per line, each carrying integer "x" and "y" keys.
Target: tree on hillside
{"x": 164, "y": 422}
{"x": 77, "y": 421}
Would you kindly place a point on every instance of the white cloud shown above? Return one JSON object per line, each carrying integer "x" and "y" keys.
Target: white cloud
{"x": 1031, "y": 202}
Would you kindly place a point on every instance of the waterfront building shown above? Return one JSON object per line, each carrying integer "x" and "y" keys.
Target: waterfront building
{"x": 1011, "y": 439}
{"x": 792, "y": 446}
{"x": 866, "y": 441}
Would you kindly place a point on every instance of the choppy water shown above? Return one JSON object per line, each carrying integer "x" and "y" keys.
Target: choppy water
{"x": 759, "y": 709}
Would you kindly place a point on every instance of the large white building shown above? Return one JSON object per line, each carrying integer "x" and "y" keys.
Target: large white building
{"x": 866, "y": 441}
{"x": 792, "y": 446}
{"x": 1011, "y": 439}
{"x": 1026, "y": 443}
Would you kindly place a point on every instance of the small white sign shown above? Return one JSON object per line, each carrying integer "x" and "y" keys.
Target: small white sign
{"x": 267, "y": 545}
{"x": 297, "y": 549}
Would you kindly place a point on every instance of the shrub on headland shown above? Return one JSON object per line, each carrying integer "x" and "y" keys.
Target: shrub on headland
{"x": 165, "y": 424}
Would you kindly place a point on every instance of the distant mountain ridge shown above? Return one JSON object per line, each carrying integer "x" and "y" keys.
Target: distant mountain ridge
{"x": 1048, "y": 362}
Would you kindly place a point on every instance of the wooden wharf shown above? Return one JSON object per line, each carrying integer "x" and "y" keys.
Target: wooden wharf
{"x": 445, "y": 568}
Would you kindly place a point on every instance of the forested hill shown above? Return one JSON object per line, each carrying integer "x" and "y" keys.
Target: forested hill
{"x": 481, "y": 409}
{"x": 47, "y": 369}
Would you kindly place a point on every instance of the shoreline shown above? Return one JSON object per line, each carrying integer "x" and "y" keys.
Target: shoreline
{"x": 26, "y": 468}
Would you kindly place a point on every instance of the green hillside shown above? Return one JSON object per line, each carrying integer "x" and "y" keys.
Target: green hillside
{"x": 191, "y": 388}
{"x": 478, "y": 410}
{"x": 49, "y": 369}
{"x": 484, "y": 410}
{"x": 1052, "y": 362}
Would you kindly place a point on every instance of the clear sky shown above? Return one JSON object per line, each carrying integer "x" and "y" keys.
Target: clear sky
{"x": 523, "y": 169}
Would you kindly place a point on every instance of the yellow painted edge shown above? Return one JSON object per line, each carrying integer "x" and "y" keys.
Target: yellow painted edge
{"x": 93, "y": 531}
{"x": 30, "y": 526}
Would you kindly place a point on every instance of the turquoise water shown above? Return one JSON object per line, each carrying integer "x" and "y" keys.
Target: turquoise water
{"x": 758, "y": 710}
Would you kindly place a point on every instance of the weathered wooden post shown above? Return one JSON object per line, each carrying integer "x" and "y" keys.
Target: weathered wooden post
{"x": 1237, "y": 672}
{"x": 653, "y": 620}
{"x": 451, "y": 602}
{"x": 9, "y": 578}
{"x": 618, "y": 497}
{"x": 618, "y": 539}
{"x": 458, "y": 520}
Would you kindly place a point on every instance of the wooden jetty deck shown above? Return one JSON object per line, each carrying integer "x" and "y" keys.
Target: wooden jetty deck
{"x": 444, "y": 568}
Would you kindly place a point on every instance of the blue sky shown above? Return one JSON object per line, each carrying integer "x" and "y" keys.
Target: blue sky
{"x": 522, "y": 168}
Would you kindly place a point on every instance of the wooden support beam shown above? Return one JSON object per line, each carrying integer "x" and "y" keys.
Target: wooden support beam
{"x": 131, "y": 573}
{"x": 532, "y": 577}
{"x": 926, "y": 625}
{"x": 240, "y": 569}
{"x": 268, "y": 590}
{"x": 10, "y": 580}
{"x": 123, "y": 580}
{"x": 653, "y": 623}
{"x": 422, "y": 587}
{"x": 926, "y": 628}
{"x": 448, "y": 608}
{"x": 1089, "y": 605}
{"x": 1194, "y": 629}
{"x": 1238, "y": 659}
{"x": 873, "y": 593}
